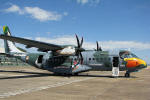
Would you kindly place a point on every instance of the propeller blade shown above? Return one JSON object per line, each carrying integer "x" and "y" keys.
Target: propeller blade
{"x": 81, "y": 58}
{"x": 78, "y": 43}
{"x": 100, "y": 49}
{"x": 79, "y": 49}
{"x": 97, "y": 45}
{"x": 81, "y": 42}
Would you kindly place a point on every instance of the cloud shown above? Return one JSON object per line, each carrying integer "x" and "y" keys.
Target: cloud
{"x": 138, "y": 47}
{"x": 82, "y": 1}
{"x": 48, "y": 33}
{"x": 36, "y": 13}
{"x": 65, "y": 14}
{"x": 125, "y": 44}
{"x": 107, "y": 45}
{"x": 14, "y": 8}
{"x": 91, "y": 2}
{"x": 62, "y": 40}
{"x": 41, "y": 14}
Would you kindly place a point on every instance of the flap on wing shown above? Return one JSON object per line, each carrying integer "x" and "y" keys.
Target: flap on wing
{"x": 32, "y": 43}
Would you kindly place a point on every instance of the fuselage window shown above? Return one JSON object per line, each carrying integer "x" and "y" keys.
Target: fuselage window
{"x": 93, "y": 58}
{"x": 89, "y": 58}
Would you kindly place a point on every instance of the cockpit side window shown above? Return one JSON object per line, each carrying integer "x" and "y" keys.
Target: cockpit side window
{"x": 127, "y": 55}
{"x": 123, "y": 54}
{"x": 133, "y": 55}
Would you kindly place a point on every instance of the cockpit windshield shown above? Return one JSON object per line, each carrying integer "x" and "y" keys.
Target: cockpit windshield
{"x": 133, "y": 55}
{"x": 127, "y": 54}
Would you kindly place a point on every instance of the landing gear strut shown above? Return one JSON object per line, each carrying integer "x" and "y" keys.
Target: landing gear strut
{"x": 127, "y": 74}
{"x": 75, "y": 74}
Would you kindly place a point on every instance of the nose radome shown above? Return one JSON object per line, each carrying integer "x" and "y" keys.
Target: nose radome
{"x": 141, "y": 62}
{"x": 134, "y": 62}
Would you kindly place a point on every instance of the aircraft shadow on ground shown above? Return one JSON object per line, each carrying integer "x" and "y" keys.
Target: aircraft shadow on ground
{"x": 106, "y": 76}
{"x": 39, "y": 74}
{"x": 33, "y": 74}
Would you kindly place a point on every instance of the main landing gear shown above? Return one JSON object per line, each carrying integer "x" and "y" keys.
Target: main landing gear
{"x": 127, "y": 74}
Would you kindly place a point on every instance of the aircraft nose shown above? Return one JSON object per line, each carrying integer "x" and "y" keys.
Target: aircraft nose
{"x": 135, "y": 62}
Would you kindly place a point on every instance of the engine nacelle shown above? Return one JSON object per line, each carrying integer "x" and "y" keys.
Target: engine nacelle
{"x": 67, "y": 51}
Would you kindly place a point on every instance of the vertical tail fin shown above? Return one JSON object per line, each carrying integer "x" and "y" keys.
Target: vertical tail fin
{"x": 10, "y": 47}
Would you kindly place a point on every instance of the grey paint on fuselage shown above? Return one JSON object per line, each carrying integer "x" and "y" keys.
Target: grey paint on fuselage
{"x": 92, "y": 60}
{"x": 98, "y": 60}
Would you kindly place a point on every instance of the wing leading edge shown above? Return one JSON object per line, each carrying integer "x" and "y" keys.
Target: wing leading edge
{"x": 42, "y": 46}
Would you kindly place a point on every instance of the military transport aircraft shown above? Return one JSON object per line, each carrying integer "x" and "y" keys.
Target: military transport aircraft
{"x": 70, "y": 59}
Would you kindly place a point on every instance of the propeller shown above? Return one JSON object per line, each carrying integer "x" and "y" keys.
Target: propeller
{"x": 98, "y": 47}
{"x": 79, "y": 48}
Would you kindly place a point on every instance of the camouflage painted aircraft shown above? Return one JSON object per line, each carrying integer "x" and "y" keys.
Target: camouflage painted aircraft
{"x": 70, "y": 59}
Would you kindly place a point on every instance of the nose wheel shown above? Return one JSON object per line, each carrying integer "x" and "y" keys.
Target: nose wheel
{"x": 127, "y": 74}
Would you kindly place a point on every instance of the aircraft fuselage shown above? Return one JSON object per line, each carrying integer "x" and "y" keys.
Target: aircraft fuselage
{"x": 92, "y": 60}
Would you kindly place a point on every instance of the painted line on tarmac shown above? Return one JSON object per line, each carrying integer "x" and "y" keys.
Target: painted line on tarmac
{"x": 13, "y": 93}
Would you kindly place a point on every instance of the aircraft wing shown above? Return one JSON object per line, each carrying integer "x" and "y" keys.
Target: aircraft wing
{"x": 42, "y": 46}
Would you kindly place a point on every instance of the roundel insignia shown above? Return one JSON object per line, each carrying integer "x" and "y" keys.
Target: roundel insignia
{"x": 75, "y": 65}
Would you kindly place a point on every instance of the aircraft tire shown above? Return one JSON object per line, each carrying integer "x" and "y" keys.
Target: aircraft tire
{"x": 127, "y": 74}
{"x": 76, "y": 74}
